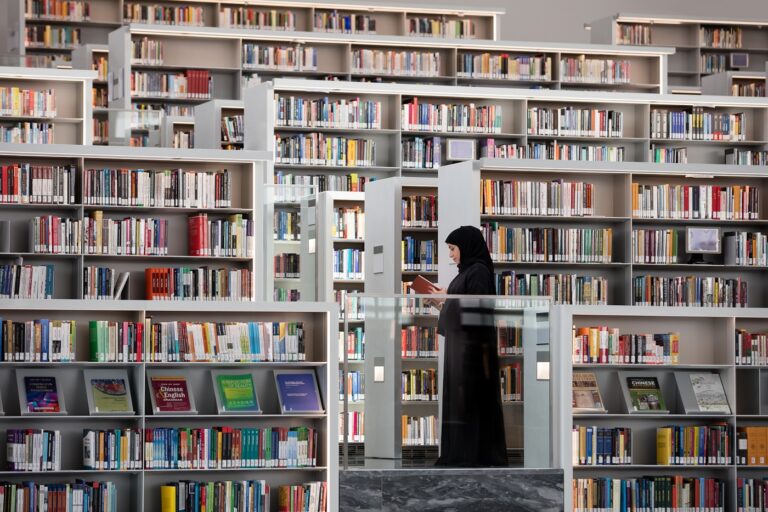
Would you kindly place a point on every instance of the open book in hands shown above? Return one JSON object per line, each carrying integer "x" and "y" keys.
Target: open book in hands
{"x": 423, "y": 286}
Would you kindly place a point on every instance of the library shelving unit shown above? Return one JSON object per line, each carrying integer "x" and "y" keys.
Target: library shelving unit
{"x": 262, "y": 55}
{"x": 210, "y": 118}
{"x": 735, "y": 83}
{"x": 617, "y": 206}
{"x": 39, "y": 35}
{"x": 707, "y": 337}
{"x": 96, "y": 57}
{"x": 703, "y": 46}
{"x": 249, "y": 173}
{"x": 70, "y": 120}
{"x": 138, "y": 488}
{"x": 177, "y": 132}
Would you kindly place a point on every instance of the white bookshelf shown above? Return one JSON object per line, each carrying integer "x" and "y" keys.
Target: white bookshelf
{"x": 251, "y": 174}
{"x": 177, "y": 132}
{"x": 735, "y": 83}
{"x": 139, "y": 490}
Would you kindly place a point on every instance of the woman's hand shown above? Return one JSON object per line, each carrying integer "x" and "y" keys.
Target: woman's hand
{"x": 436, "y": 303}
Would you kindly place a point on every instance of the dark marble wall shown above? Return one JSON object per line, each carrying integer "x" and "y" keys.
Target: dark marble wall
{"x": 451, "y": 490}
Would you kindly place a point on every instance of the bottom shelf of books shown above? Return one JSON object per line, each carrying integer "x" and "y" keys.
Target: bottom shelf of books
{"x": 159, "y": 406}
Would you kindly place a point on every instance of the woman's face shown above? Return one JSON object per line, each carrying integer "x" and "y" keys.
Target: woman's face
{"x": 454, "y": 253}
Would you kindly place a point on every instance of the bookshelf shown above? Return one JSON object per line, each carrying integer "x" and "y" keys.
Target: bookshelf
{"x": 614, "y": 190}
{"x": 706, "y": 341}
{"x": 66, "y": 118}
{"x": 210, "y": 119}
{"x": 177, "y": 132}
{"x": 96, "y": 57}
{"x": 735, "y": 83}
{"x": 253, "y": 56}
{"x": 249, "y": 173}
{"x": 702, "y": 45}
{"x": 139, "y": 489}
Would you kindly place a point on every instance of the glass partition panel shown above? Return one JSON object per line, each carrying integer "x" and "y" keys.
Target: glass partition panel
{"x": 138, "y": 128}
{"x": 445, "y": 380}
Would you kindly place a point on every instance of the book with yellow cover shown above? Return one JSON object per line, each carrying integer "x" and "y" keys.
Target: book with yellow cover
{"x": 664, "y": 455}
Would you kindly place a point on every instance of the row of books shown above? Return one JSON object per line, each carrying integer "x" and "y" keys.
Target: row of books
{"x": 52, "y": 234}
{"x": 287, "y": 266}
{"x": 396, "y": 62}
{"x": 666, "y": 155}
{"x": 504, "y": 67}
{"x": 419, "y": 430}
{"x": 348, "y": 264}
{"x": 694, "y": 445}
{"x": 166, "y": 188}
{"x": 752, "y": 446}
{"x": 49, "y": 36}
{"x": 573, "y": 245}
{"x": 722, "y": 202}
{"x": 283, "y": 58}
{"x": 147, "y": 51}
{"x": 563, "y": 288}
{"x": 305, "y": 497}
{"x": 353, "y": 385}
{"x": 511, "y": 376}
{"x": 348, "y": 223}
{"x": 563, "y": 151}
{"x": 599, "y": 71}
{"x": 344, "y": 23}
{"x": 417, "y": 342}
{"x": 451, "y": 117}
{"x": 677, "y": 492}
{"x": 285, "y": 294}
{"x": 43, "y": 340}
{"x": 418, "y": 255}
{"x": 100, "y": 131}
{"x": 509, "y": 337}
{"x": 354, "y": 343}
{"x": 721, "y": 37}
{"x": 605, "y": 345}
{"x": 291, "y": 187}
{"x": 418, "y": 385}
{"x": 150, "y": 110}
{"x": 736, "y": 156}
{"x": 183, "y": 138}
{"x": 253, "y": 17}
{"x": 232, "y": 128}
{"x": 189, "y": 84}
{"x": 156, "y": 14}
{"x": 242, "y": 495}
{"x": 100, "y": 97}
{"x": 754, "y": 89}
{"x": 751, "y": 494}
{"x": 351, "y": 305}
{"x": 102, "y": 283}
{"x": 601, "y": 446}
{"x": 698, "y": 125}
{"x": 539, "y": 198}
{"x": 355, "y": 422}
{"x": 714, "y": 63}
{"x": 33, "y": 450}
{"x": 65, "y": 10}
{"x": 130, "y": 235}
{"x": 286, "y": 225}
{"x": 637, "y": 34}
{"x": 26, "y": 133}
{"x": 575, "y": 122}
{"x": 232, "y": 237}
{"x": 100, "y": 496}
{"x": 751, "y": 348}
{"x": 18, "y": 101}
{"x": 324, "y": 149}
{"x": 421, "y": 153}
{"x": 701, "y": 291}
{"x": 441, "y": 27}
{"x": 327, "y": 113}
{"x": 26, "y": 281}
{"x": 656, "y": 246}
{"x": 101, "y": 66}
{"x": 419, "y": 211}
{"x": 202, "y": 283}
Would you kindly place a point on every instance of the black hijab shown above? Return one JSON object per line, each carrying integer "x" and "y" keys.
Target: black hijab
{"x": 472, "y": 247}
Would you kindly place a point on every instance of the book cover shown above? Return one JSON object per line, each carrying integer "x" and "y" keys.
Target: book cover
{"x": 170, "y": 393}
{"x": 709, "y": 392}
{"x": 237, "y": 392}
{"x": 42, "y": 394}
{"x": 586, "y": 393}
{"x": 645, "y": 394}
{"x": 422, "y": 286}
{"x": 298, "y": 391}
{"x": 110, "y": 395}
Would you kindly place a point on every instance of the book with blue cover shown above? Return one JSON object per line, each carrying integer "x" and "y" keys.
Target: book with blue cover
{"x": 297, "y": 391}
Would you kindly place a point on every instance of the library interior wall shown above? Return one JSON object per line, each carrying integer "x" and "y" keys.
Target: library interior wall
{"x": 563, "y": 20}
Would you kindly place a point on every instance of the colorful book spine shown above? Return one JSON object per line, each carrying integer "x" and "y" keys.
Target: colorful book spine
{"x": 94, "y": 496}
{"x": 286, "y": 226}
{"x": 354, "y": 344}
{"x": 751, "y": 348}
{"x": 147, "y": 51}
{"x": 504, "y": 67}
{"x": 562, "y": 288}
{"x": 694, "y": 445}
{"x": 51, "y": 234}
{"x": 306, "y": 496}
{"x": 253, "y": 17}
{"x": 557, "y": 198}
{"x": 99, "y": 283}
{"x": 287, "y": 266}
{"x": 636, "y": 34}
{"x": 324, "y": 149}
{"x": 192, "y": 84}
{"x": 241, "y": 495}
{"x": 698, "y": 124}
{"x": 128, "y": 236}
{"x": 353, "y": 383}
{"x": 650, "y": 493}
{"x": 348, "y": 264}
{"x": 232, "y": 128}
{"x": 418, "y": 255}
{"x": 511, "y": 377}
{"x": 42, "y": 340}
{"x": 595, "y": 71}
{"x": 721, "y": 37}
{"x": 117, "y": 341}
{"x": 583, "y": 152}
{"x": 428, "y": 26}
{"x": 661, "y": 246}
{"x": 720, "y": 202}
{"x": 38, "y": 184}
{"x": 230, "y": 237}
{"x": 33, "y": 450}
{"x": 350, "y": 305}
{"x": 572, "y": 245}
{"x": 751, "y": 446}
{"x": 291, "y": 187}
{"x": 20, "y": 102}
{"x": 113, "y": 449}
{"x": 453, "y": 117}
{"x": 59, "y": 10}
{"x": 344, "y": 23}
{"x": 283, "y": 294}
{"x": 509, "y": 337}
{"x": 600, "y": 446}
{"x": 420, "y": 430}
{"x": 750, "y": 90}
{"x": 714, "y": 63}
{"x": 396, "y": 63}
{"x": 419, "y": 211}
{"x": 736, "y": 156}
{"x": 575, "y": 122}
{"x": 355, "y": 426}
{"x": 200, "y": 283}
{"x": 26, "y": 281}
{"x": 418, "y": 342}
{"x": 27, "y": 133}
{"x": 49, "y": 36}
{"x": 156, "y": 14}
{"x": 491, "y": 148}
{"x": 605, "y": 345}
{"x": 348, "y": 223}
{"x": 282, "y": 58}
{"x": 356, "y": 113}
{"x": 689, "y": 291}
{"x": 421, "y": 153}
{"x": 751, "y": 494}
{"x": 419, "y": 385}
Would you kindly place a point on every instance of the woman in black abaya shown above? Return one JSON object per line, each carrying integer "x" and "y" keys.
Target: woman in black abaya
{"x": 472, "y": 429}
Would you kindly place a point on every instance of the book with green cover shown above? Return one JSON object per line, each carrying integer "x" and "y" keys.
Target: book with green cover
{"x": 646, "y": 395}
{"x": 236, "y": 392}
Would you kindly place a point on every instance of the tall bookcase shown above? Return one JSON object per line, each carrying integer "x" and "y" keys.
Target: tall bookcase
{"x": 69, "y": 123}
{"x": 702, "y": 45}
{"x": 735, "y": 83}
{"x": 250, "y": 174}
{"x": 209, "y": 121}
{"x": 139, "y": 489}
{"x": 706, "y": 345}
{"x": 616, "y": 206}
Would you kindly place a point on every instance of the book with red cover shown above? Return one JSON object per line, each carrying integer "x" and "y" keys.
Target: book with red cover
{"x": 195, "y": 235}
{"x": 171, "y": 394}
{"x": 423, "y": 286}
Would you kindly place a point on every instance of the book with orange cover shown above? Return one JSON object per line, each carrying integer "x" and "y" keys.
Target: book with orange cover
{"x": 423, "y": 286}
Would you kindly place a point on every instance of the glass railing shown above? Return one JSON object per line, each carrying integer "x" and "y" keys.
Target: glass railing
{"x": 444, "y": 380}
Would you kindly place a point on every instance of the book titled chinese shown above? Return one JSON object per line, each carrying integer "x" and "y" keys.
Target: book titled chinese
{"x": 170, "y": 394}
{"x": 645, "y": 394}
